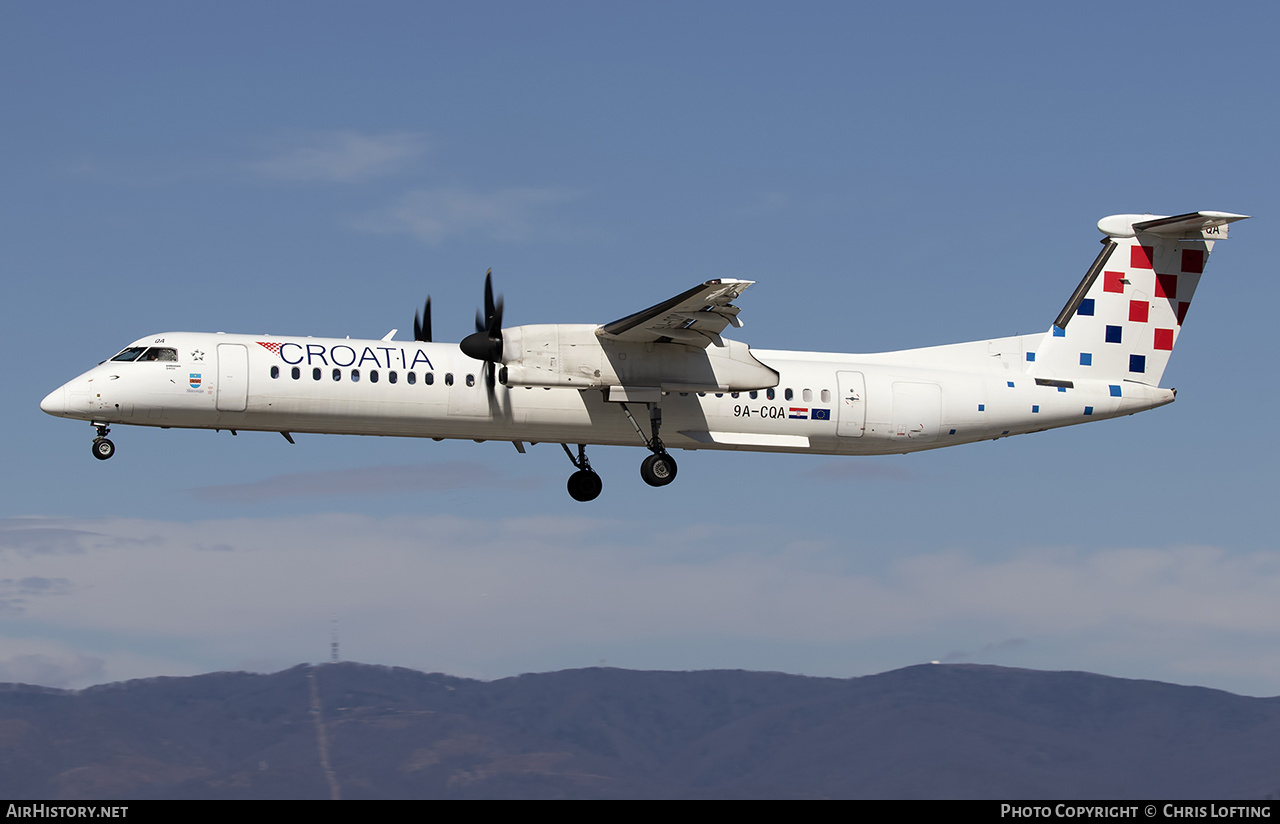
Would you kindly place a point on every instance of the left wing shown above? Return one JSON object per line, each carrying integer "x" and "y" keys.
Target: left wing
{"x": 697, "y": 316}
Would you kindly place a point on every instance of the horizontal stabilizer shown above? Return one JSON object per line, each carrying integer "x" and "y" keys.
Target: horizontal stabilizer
{"x": 1196, "y": 225}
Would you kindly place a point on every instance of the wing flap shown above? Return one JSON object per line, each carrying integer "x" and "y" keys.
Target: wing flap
{"x": 696, "y": 316}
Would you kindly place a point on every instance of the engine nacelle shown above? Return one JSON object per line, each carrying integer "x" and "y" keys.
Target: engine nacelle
{"x": 573, "y": 355}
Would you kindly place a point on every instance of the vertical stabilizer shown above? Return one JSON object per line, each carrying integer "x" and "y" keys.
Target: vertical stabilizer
{"x": 1123, "y": 319}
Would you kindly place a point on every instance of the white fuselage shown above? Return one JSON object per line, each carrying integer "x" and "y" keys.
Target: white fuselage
{"x": 822, "y": 403}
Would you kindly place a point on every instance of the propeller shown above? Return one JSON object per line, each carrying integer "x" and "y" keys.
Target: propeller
{"x": 486, "y": 344}
{"x": 422, "y": 330}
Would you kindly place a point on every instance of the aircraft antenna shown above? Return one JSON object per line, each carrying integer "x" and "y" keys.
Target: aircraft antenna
{"x": 333, "y": 640}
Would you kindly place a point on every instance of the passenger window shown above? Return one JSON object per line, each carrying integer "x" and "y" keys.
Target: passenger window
{"x": 429, "y": 378}
{"x": 315, "y": 374}
{"x": 373, "y": 376}
{"x": 275, "y": 371}
{"x": 471, "y": 380}
{"x": 412, "y": 378}
{"x": 355, "y": 375}
{"x": 754, "y": 393}
{"x": 768, "y": 393}
{"x": 337, "y": 374}
{"x": 448, "y": 379}
{"x": 295, "y": 373}
{"x": 808, "y": 395}
{"x": 788, "y": 394}
{"x": 391, "y": 377}
{"x": 826, "y": 396}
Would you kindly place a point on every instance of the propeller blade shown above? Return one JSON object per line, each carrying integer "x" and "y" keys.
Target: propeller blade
{"x": 488, "y": 298}
{"x": 486, "y": 343}
{"x": 422, "y": 330}
{"x": 495, "y": 332}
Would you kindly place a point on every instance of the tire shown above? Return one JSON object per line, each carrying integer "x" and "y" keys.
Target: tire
{"x": 585, "y": 485}
{"x": 658, "y": 470}
{"x": 103, "y": 448}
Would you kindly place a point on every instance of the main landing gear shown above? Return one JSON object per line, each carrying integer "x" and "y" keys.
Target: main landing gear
{"x": 659, "y": 469}
{"x": 585, "y": 484}
{"x": 102, "y": 447}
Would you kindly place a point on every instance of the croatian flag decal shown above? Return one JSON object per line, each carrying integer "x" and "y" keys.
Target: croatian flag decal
{"x": 799, "y": 413}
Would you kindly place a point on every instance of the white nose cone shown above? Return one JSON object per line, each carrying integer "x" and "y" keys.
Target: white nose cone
{"x": 55, "y": 403}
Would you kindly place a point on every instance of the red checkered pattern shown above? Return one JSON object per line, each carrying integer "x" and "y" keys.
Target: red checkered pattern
{"x": 1140, "y": 257}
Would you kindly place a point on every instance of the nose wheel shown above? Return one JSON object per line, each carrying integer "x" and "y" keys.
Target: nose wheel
{"x": 103, "y": 448}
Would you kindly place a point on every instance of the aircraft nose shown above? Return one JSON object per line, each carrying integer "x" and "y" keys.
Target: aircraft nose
{"x": 55, "y": 403}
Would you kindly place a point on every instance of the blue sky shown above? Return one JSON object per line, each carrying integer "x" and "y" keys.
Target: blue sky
{"x": 889, "y": 177}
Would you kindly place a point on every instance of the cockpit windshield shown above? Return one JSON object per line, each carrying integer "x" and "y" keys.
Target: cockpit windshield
{"x": 143, "y": 353}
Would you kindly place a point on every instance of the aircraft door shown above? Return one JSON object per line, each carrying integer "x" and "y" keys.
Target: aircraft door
{"x": 233, "y": 377}
{"x": 851, "y": 419}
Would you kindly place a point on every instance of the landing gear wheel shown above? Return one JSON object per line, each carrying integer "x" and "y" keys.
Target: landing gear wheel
{"x": 585, "y": 485}
{"x": 658, "y": 469}
{"x": 103, "y": 448}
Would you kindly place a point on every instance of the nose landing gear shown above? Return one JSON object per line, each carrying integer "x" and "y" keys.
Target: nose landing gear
{"x": 103, "y": 448}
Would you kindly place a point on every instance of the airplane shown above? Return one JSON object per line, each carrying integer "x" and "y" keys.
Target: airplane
{"x": 667, "y": 378}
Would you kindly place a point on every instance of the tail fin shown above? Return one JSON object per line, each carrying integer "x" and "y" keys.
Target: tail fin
{"x": 1123, "y": 319}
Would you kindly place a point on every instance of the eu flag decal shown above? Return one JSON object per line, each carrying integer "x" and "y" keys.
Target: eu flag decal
{"x": 820, "y": 414}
